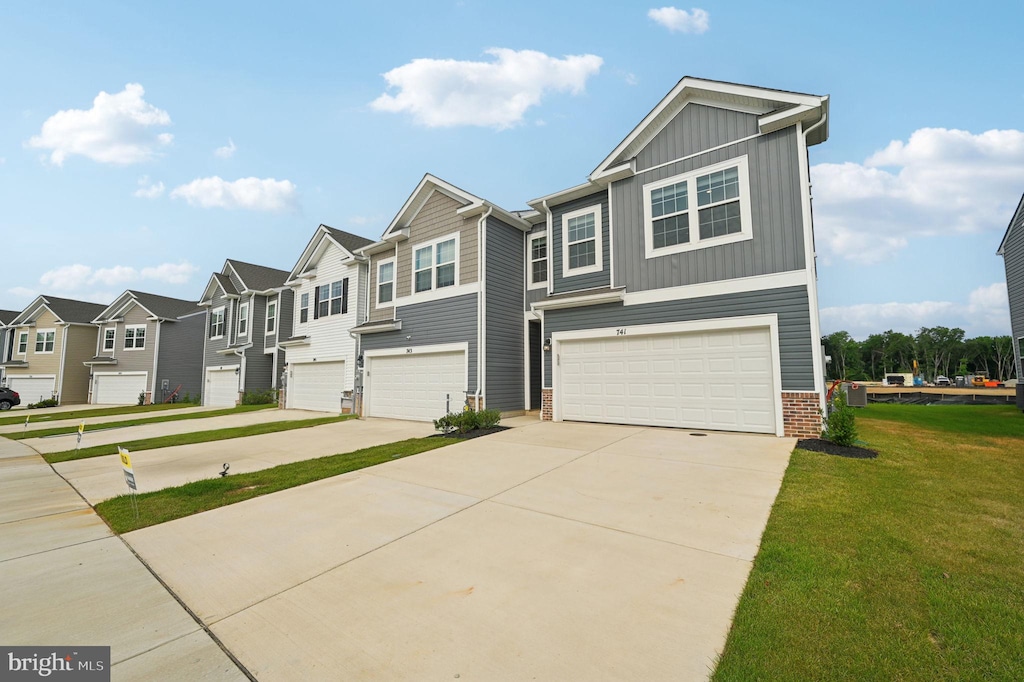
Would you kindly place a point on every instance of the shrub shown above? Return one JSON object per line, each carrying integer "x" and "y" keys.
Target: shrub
{"x": 142, "y": 399}
{"x": 49, "y": 402}
{"x": 267, "y": 397}
{"x": 467, "y": 420}
{"x": 839, "y": 424}
{"x": 488, "y": 418}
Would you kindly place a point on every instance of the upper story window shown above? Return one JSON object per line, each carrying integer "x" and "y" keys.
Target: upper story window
{"x": 135, "y": 337}
{"x": 217, "y": 323}
{"x": 271, "y": 317}
{"x": 331, "y": 299}
{"x": 538, "y": 261}
{"x": 386, "y": 281}
{"x": 243, "y": 319}
{"x": 304, "y": 308}
{"x": 581, "y": 242}
{"x": 22, "y": 343}
{"x": 699, "y": 209}
{"x": 44, "y": 340}
{"x": 109, "y": 334}
{"x": 434, "y": 264}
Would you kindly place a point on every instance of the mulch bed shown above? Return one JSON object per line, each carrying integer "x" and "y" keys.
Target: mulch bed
{"x": 829, "y": 448}
{"x": 472, "y": 434}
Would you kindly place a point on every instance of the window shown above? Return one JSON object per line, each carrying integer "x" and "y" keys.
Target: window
{"x": 22, "y": 343}
{"x": 217, "y": 323}
{"x": 44, "y": 340}
{"x": 434, "y": 265}
{"x": 581, "y": 242}
{"x": 698, "y": 209}
{"x": 385, "y": 281}
{"x": 243, "y": 320}
{"x": 271, "y": 316}
{"x": 108, "y": 338}
{"x": 304, "y": 308}
{"x": 538, "y": 260}
{"x": 135, "y": 337}
{"x": 331, "y": 299}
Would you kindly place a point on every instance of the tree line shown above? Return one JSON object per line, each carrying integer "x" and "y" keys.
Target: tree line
{"x": 938, "y": 351}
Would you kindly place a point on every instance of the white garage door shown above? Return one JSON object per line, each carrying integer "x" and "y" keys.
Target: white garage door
{"x": 316, "y": 386}
{"x": 118, "y": 389}
{"x": 32, "y": 389}
{"x": 720, "y": 380}
{"x": 221, "y": 388}
{"x": 415, "y": 386}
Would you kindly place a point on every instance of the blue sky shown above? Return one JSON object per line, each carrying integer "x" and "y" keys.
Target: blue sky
{"x": 234, "y": 129}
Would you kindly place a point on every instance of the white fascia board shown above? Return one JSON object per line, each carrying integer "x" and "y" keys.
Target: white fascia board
{"x": 375, "y": 247}
{"x": 300, "y": 265}
{"x": 739, "y": 285}
{"x": 562, "y": 196}
{"x": 579, "y": 301}
{"x": 29, "y": 313}
{"x": 610, "y": 175}
{"x": 786, "y": 118}
{"x": 377, "y": 327}
{"x": 419, "y": 197}
{"x": 1009, "y": 228}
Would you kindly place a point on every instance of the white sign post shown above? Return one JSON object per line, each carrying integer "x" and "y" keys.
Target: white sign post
{"x": 129, "y": 476}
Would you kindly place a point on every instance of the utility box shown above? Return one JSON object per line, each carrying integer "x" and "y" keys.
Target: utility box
{"x": 856, "y": 395}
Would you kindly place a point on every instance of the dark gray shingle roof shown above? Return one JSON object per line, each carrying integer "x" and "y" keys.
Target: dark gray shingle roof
{"x": 70, "y": 310}
{"x": 226, "y": 283}
{"x": 164, "y": 306}
{"x": 7, "y": 315}
{"x": 347, "y": 239}
{"x": 259, "y": 277}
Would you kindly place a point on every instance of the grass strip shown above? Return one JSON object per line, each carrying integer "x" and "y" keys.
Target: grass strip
{"x": 199, "y": 496}
{"x": 191, "y": 438}
{"x": 67, "y": 430}
{"x": 906, "y": 567}
{"x": 42, "y": 414}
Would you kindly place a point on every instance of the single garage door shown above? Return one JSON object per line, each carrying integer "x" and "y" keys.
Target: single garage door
{"x": 221, "y": 388}
{"x": 316, "y": 386}
{"x": 416, "y": 386}
{"x": 32, "y": 389}
{"x": 118, "y": 389}
{"x": 721, "y": 380}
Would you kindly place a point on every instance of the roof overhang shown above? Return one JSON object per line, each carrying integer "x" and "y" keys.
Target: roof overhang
{"x": 377, "y": 327}
{"x": 305, "y": 267}
{"x": 293, "y": 342}
{"x": 100, "y": 361}
{"x": 1009, "y": 228}
{"x": 582, "y": 300}
{"x": 28, "y": 315}
{"x": 14, "y": 363}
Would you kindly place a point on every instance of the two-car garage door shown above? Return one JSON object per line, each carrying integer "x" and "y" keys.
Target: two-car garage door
{"x": 722, "y": 380}
{"x": 417, "y": 386}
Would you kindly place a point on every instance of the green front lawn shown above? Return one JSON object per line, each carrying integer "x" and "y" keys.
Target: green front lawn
{"x": 907, "y": 567}
{"x": 43, "y": 414}
{"x": 190, "y": 438}
{"x": 199, "y": 496}
{"x": 142, "y": 421}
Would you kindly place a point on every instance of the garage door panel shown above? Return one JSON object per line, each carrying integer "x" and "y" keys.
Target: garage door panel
{"x": 118, "y": 389}
{"x": 316, "y": 386}
{"x": 416, "y": 386}
{"x": 221, "y": 388}
{"x": 32, "y": 389}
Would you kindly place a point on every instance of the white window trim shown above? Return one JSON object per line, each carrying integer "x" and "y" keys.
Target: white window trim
{"x": 244, "y": 308}
{"x": 690, "y": 178}
{"x": 25, "y": 352}
{"x": 144, "y": 335}
{"x": 113, "y": 340}
{"x": 223, "y": 322}
{"x": 298, "y": 308}
{"x": 432, "y": 244}
{"x": 377, "y": 305}
{"x": 529, "y": 261}
{"x": 268, "y": 331}
{"x": 598, "y": 265}
{"x": 44, "y": 332}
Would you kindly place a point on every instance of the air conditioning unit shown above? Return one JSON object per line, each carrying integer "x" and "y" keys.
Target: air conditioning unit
{"x": 856, "y": 394}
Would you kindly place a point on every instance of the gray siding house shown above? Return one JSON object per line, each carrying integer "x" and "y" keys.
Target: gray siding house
{"x": 6, "y": 340}
{"x": 445, "y": 322}
{"x": 680, "y": 286}
{"x": 147, "y": 345}
{"x": 1012, "y": 251}
{"x": 248, "y": 312}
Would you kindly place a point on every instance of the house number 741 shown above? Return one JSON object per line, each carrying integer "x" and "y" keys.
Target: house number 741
{"x": 620, "y": 332}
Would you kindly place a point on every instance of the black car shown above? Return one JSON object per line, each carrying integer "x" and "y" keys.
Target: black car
{"x": 8, "y": 399}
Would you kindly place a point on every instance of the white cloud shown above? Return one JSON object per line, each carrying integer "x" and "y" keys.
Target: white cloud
{"x": 23, "y": 293}
{"x": 681, "y": 21}
{"x": 250, "y": 193}
{"x": 117, "y": 129}
{"x": 172, "y": 273}
{"x": 939, "y": 182}
{"x": 149, "y": 190}
{"x": 77, "y": 279}
{"x": 985, "y": 312}
{"x": 226, "y": 152}
{"x": 495, "y": 94}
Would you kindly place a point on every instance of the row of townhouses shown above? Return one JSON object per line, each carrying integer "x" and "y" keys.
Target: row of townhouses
{"x": 675, "y": 287}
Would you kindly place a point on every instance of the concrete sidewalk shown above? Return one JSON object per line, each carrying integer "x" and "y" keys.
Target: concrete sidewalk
{"x": 39, "y": 421}
{"x": 65, "y": 579}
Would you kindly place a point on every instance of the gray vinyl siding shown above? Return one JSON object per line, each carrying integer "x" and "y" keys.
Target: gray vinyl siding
{"x": 533, "y": 295}
{"x": 1013, "y": 261}
{"x": 136, "y": 360}
{"x": 775, "y": 207}
{"x": 452, "y": 320}
{"x": 259, "y": 371}
{"x": 695, "y": 128}
{"x": 590, "y": 280}
{"x": 504, "y": 317}
{"x": 212, "y": 358}
{"x": 181, "y": 356}
{"x": 790, "y": 304}
{"x": 286, "y": 314}
{"x": 270, "y": 340}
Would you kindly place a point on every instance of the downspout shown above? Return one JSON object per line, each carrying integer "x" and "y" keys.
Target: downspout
{"x": 481, "y": 327}
{"x": 551, "y": 271}
{"x": 63, "y": 355}
{"x": 156, "y": 360}
{"x": 812, "y": 269}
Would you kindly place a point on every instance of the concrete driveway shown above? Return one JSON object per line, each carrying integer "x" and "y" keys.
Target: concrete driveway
{"x": 551, "y": 551}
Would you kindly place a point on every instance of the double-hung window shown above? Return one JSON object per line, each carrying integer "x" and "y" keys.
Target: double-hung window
{"x": 386, "y": 282}
{"x": 22, "y": 343}
{"x": 217, "y": 323}
{"x": 304, "y": 308}
{"x": 703, "y": 208}
{"x": 331, "y": 299}
{"x": 271, "y": 317}
{"x": 581, "y": 242}
{"x": 109, "y": 336}
{"x": 434, "y": 265}
{"x": 135, "y": 337}
{"x": 243, "y": 319}
{"x": 538, "y": 260}
{"x": 44, "y": 340}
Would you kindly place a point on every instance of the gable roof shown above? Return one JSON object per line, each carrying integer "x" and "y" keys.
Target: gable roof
{"x": 6, "y": 316}
{"x": 257, "y": 277}
{"x": 220, "y": 281}
{"x": 163, "y": 307}
{"x": 346, "y": 241}
{"x": 66, "y": 310}
{"x": 1016, "y": 221}
{"x": 776, "y": 109}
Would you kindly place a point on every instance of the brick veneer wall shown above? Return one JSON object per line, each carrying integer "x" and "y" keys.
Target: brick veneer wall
{"x": 801, "y": 416}
{"x": 547, "y": 412}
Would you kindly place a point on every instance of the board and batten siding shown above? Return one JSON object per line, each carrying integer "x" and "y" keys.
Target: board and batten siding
{"x": 1013, "y": 261}
{"x": 181, "y": 356}
{"x": 695, "y": 128}
{"x": 590, "y": 280}
{"x": 437, "y": 218}
{"x": 503, "y": 317}
{"x": 790, "y": 304}
{"x": 451, "y": 320}
{"x": 775, "y": 206}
